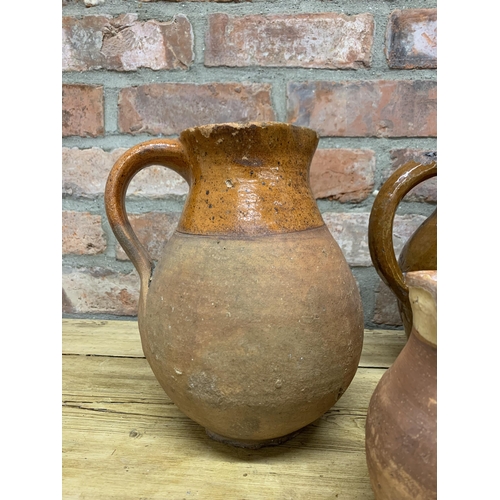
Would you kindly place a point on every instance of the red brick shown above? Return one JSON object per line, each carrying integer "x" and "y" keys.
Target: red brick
{"x": 427, "y": 190}
{"x": 350, "y": 231}
{"x": 85, "y": 172}
{"x": 153, "y": 230}
{"x": 82, "y": 110}
{"x": 98, "y": 290}
{"x": 87, "y": 3}
{"x": 381, "y": 108}
{"x": 411, "y": 39}
{"x": 346, "y": 175}
{"x": 325, "y": 40}
{"x": 386, "y": 310}
{"x": 169, "y": 108}
{"x": 213, "y": 1}
{"x": 125, "y": 44}
{"x": 82, "y": 233}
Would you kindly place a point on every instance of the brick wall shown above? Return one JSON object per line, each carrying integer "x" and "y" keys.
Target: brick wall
{"x": 361, "y": 73}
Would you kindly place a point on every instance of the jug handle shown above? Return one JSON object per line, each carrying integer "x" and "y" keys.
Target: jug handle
{"x": 381, "y": 222}
{"x": 166, "y": 152}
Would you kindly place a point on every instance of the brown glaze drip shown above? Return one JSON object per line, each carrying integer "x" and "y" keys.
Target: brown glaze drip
{"x": 250, "y": 179}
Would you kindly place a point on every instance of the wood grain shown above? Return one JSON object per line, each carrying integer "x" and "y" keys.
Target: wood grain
{"x": 123, "y": 438}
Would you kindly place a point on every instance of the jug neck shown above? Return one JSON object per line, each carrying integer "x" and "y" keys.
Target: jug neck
{"x": 249, "y": 179}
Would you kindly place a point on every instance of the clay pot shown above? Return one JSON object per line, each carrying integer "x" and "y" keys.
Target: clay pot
{"x": 401, "y": 424}
{"x": 419, "y": 252}
{"x": 251, "y": 320}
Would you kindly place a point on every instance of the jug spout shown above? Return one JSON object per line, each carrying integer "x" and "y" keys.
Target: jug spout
{"x": 249, "y": 179}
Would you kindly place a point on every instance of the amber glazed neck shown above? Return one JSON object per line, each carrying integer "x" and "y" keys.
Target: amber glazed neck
{"x": 249, "y": 179}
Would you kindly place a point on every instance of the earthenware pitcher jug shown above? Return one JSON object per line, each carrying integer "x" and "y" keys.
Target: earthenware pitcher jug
{"x": 419, "y": 252}
{"x": 251, "y": 319}
{"x": 401, "y": 424}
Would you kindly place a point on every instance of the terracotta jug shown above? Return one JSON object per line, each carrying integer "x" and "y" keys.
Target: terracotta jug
{"x": 419, "y": 252}
{"x": 251, "y": 320}
{"x": 401, "y": 424}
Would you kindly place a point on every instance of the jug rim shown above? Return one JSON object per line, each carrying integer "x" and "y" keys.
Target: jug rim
{"x": 425, "y": 278}
{"x": 207, "y": 129}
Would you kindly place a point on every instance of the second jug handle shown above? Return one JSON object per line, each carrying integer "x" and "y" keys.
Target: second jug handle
{"x": 166, "y": 152}
{"x": 380, "y": 226}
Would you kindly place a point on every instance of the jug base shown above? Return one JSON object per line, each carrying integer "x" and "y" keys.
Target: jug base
{"x": 251, "y": 444}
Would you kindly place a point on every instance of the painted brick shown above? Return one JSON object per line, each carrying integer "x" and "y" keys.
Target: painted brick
{"x": 325, "y": 40}
{"x": 99, "y": 290}
{"x": 82, "y": 233}
{"x": 350, "y": 231}
{"x": 169, "y": 108}
{"x": 153, "y": 230}
{"x": 125, "y": 44}
{"x": 411, "y": 39}
{"x": 386, "y": 310}
{"x": 425, "y": 191}
{"x": 346, "y": 175}
{"x": 82, "y": 110}
{"x": 85, "y": 172}
{"x": 381, "y": 108}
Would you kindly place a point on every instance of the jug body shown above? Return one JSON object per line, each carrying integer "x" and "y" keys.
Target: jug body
{"x": 419, "y": 252}
{"x": 251, "y": 320}
{"x": 401, "y": 423}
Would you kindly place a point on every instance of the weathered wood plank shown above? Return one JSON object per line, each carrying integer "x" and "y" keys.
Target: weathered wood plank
{"x": 117, "y": 454}
{"x": 99, "y": 378}
{"x": 121, "y": 338}
{"x": 123, "y": 438}
{"x": 381, "y": 347}
{"x": 101, "y": 337}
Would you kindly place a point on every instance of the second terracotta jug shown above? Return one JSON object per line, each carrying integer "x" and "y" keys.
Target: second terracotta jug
{"x": 251, "y": 320}
{"x": 419, "y": 252}
{"x": 401, "y": 422}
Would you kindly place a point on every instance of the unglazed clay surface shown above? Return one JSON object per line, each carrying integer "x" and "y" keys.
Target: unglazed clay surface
{"x": 241, "y": 333}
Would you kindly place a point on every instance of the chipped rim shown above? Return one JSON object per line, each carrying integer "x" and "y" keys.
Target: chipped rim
{"x": 206, "y": 130}
{"x": 426, "y": 279}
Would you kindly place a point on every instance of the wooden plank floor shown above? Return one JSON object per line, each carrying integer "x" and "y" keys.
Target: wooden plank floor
{"x": 123, "y": 438}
